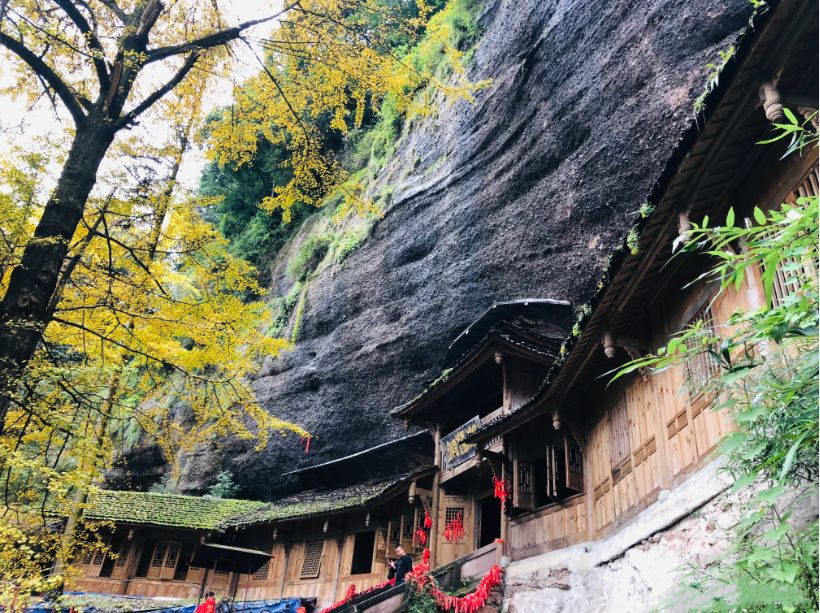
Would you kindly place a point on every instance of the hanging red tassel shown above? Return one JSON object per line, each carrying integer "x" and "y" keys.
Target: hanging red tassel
{"x": 500, "y": 491}
{"x": 428, "y": 522}
{"x": 351, "y": 592}
{"x": 421, "y": 535}
{"x": 306, "y": 440}
{"x": 469, "y": 603}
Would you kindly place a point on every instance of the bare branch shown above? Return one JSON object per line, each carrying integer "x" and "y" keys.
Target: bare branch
{"x": 97, "y": 52}
{"x": 115, "y": 8}
{"x": 143, "y": 106}
{"x": 216, "y": 39}
{"x": 45, "y": 71}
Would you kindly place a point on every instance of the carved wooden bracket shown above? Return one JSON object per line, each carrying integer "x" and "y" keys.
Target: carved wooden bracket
{"x": 633, "y": 347}
{"x": 772, "y": 102}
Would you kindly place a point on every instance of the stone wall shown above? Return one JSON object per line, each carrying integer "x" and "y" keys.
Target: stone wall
{"x": 638, "y": 567}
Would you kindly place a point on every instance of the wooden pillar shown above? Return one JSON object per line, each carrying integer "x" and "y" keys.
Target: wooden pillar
{"x": 505, "y": 519}
{"x": 434, "y": 511}
{"x": 340, "y": 542}
{"x": 286, "y": 547}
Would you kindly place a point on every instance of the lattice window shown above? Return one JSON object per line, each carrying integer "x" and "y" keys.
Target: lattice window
{"x": 312, "y": 560}
{"x": 159, "y": 555}
{"x": 99, "y": 556}
{"x": 173, "y": 555}
{"x": 791, "y": 272}
{"x": 86, "y": 559}
{"x": 453, "y": 513}
{"x": 700, "y": 366}
{"x": 407, "y": 527}
{"x": 264, "y": 570}
{"x": 454, "y": 524}
{"x": 222, "y": 573}
{"x": 122, "y": 554}
{"x": 395, "y": 532}
{"x": 619, "y": 449}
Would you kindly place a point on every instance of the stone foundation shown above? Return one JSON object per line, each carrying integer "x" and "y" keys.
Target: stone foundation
{"x": 636, "y": 568}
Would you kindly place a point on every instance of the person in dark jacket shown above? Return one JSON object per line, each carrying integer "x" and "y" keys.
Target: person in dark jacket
{"x": 399, "y": 568}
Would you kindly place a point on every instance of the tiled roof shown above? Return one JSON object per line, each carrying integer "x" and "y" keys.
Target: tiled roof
{"x": 173, "y": 510}
{"x": 317, "y": 502}
{"x": 548, "y": 348}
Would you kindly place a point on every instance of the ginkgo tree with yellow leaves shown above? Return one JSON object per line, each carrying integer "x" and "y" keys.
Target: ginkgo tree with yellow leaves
{"x": 115, "y": 296}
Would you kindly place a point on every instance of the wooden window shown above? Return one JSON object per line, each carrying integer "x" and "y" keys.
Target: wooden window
{"x": 619, "y": 448}
{"x": 159, "y": 554}
{"x": 574, "y": 461}
{"x": 264, "y": 570}
{"x": 222, "y": 573}
{"x": 394, "y": 532}
{"x": 454, "y": 524}
{"x": 172, "y": 555}
{"x": 701, "y": 366}
{"x": 262, "y": 573}
{"x": 122, "y": 554}
{"x": 563, "y": 470}
{"x": 407, "y": 527}
{"x": 312, "y": 560}
{"x": 791, "y": 271}
{"x": 363, "y": 545}
{"x": 86, "y": 559}
{"x": 99, "y": 556}
{"x": 453, "y": 513}
{"x": 522, "y": 485}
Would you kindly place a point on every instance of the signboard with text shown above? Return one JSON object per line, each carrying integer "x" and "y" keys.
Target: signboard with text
{"x": 454, "y": 450}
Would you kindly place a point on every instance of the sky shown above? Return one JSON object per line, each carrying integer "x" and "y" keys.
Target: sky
{"x": 21, "y": 124}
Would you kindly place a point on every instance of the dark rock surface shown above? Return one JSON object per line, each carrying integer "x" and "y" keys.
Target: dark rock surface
{"x": 523, "y": 193}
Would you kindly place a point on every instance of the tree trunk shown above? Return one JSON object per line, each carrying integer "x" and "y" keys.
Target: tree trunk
{"x": 24, "y": 310}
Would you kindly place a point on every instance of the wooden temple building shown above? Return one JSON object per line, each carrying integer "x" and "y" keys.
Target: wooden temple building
{"x": 492, "y": 369}
{"x": 333, "y": 530}
{"x": 524, "y": 398}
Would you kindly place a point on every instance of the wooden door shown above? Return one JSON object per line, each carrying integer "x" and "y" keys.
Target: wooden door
{"x": 450, "y": 510}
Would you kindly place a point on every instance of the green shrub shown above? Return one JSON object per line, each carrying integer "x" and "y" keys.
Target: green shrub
{"x": 351, "y": 240}
{"x": 310, "y": 254}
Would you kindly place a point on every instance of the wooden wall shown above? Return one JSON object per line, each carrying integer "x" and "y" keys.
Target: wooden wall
{"x": 284, "y": 575}
{"x": 553, "y": 527}
{"x": 671, "y": 431}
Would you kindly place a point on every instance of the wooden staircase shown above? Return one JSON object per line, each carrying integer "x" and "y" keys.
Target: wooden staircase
{"x": 471, "y": 566}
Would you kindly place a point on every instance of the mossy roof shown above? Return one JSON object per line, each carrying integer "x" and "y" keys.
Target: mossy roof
{"x": 318, "y": 502}
{"x": 172, "y": 510}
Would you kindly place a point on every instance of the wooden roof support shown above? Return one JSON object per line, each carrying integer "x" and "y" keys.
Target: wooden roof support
{"x": 772, "y": 102}
{"x": 635, "y": 348}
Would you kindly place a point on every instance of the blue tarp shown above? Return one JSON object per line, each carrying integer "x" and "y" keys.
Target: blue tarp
{"x": 288, "y": 605}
